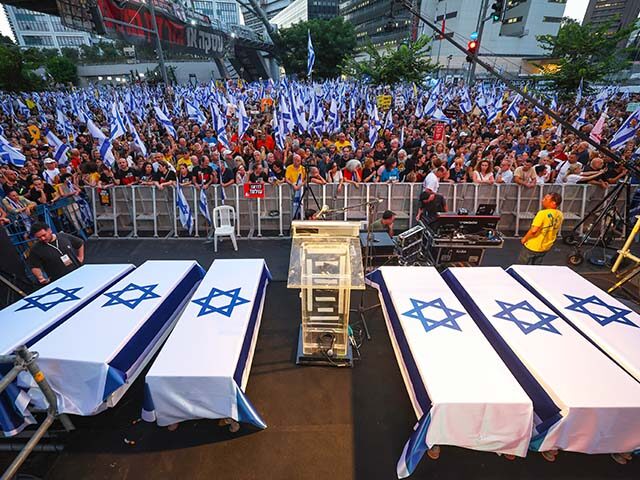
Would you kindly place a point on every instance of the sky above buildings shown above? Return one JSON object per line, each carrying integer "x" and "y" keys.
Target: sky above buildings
{"x": 574, "y": 9}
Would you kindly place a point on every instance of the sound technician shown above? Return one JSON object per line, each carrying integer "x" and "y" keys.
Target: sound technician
{"x": 543, "y": 232}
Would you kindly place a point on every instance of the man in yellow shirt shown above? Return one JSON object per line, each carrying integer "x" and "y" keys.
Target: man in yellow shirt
{"x": 543, "y": 232}
{"x": 342, "y": 142}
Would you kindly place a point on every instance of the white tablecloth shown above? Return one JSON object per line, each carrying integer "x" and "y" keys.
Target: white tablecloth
{"x": 93, "y": 358}
{"x": 203, "y": 368}
{"x": 607, "y": 322}
{"x": 599, "y": 402}
{"x": 461, "y": 391}
{"x": 32, "y": 317}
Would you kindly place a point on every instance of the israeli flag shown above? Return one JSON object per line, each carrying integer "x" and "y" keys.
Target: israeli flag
{"x": 132, "y": 129}
{"x": 579, "y": 92}
{"x": 24, "y": 110}
{"x": 333, "y": 124}
{"x": 512, "y": 109}
{"x": 558, "y": 135}
{"x": 465, "y": 102}
{"x": 374, "y": 126}
{"x": 165, "y": 122}
{"x": 311, "y": 55}
{"x": 219, "y": 124}
{"x": 186, "y": 218}
{"x": 388, "y": 121}
{"x": 60, "y": 148}
{"x": 106, "y": 150}
{"x": 581, "y": 120}
{"x": 194, "y": 113}
{"x": 626, "y": 132}
{"x": 117, "y": 124}
{"x": 203, "y": 205}
{"x": 243, "y": 120}
{"x": 63, "y": 124}
{"x": 9, "y": 155}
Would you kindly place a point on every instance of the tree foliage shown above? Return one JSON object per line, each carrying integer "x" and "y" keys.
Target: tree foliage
{"x": 15, "y": 73}
{"x": 62, "y": 70}
{"x": 407, "y": 63}
{"x": 333, "y": 40}
{"x": 589, "y": 52}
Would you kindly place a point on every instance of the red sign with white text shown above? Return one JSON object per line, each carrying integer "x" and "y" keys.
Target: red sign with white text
{"x": 438, "y": 132}
{"x": 254, "y": 190}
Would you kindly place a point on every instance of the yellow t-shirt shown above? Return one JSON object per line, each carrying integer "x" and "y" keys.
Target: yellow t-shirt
{"x": 340, "y": 145}
{"x": 549, "y": 221}
{"x": 292, "y": 173}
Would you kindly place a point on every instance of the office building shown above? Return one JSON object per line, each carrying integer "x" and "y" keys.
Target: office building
{"x": 227, "y": 12}
{"x": 270, "y": 7}
{"x": 508, "y": 44}
{"x": 622, "y": 12}
{"x": 383, "y": 22}
{"x": 34, "y": 29}
{"x": 303, "y": 10}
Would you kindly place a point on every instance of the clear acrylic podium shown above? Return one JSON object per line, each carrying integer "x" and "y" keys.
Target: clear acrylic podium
{"x": 326, "y": 264}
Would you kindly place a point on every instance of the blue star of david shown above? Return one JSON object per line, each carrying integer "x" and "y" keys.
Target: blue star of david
{"x": 35, "y": 301}
{"x": 205, "y": 302}
{"x": 146, "y": 292}
{"x": 429, "y": 324}
{"x": 544, "y": 322}
{"x": 618, "y": 315}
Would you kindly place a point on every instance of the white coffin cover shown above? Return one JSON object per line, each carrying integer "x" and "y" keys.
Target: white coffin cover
{"x": 93, "y": 358}
{"x": 599, "y": 402}
{"x": 43, "y": 310}
{"x": 607, "y": 322}
{"x": 452, "y": 373}
{"x": 32, "y": 317}
{"x": 203, "y": 368}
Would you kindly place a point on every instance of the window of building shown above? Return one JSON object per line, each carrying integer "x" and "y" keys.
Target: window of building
{"x": 37, "y": 41}
{"x": 557, "y": 1}
{"x": 552, "y": 19}
{"x": 74, "y": 41}
{"x": 512, "y": 20}
{"x": 227, "y": 12}
{"x": 33, "y": 26}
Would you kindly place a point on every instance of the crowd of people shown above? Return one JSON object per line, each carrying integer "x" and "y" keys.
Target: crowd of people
{"x": 526, "y": 149}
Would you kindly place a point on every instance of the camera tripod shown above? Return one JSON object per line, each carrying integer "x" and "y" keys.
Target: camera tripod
{"x": 607, "y": 216}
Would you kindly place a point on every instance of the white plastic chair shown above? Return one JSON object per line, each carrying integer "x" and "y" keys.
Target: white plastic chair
{"x": 224, "y": 223}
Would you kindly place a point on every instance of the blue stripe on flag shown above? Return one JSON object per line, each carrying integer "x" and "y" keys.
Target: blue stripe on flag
{"x": 155, "y": 324}
{"x": 546, "y": 411}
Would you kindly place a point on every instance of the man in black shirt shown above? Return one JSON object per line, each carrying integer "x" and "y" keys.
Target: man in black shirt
{"x": 429, "y": 205}
{"x": 41, "y": 192}
{"x": 54, "y": 254}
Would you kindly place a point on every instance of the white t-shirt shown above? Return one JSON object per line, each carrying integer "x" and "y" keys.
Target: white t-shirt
{"x": 562, "y": 170}
{"x": 507, "y": 176}
{"x": 50, "y": 175}
{"x": 334, "y": 178}
{"x": 572, "y": 178}
{"x": 431, "y": 182}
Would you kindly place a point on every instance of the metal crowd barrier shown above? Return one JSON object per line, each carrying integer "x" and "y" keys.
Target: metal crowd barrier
{"x": 145, "y": 211}
{"x": 25, "y": 360}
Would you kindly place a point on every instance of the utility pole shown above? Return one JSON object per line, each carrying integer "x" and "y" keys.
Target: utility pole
{"x": 482, "y": 16}
{"x": 154, "y": 23}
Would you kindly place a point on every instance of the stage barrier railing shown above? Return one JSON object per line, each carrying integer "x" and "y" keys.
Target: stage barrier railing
{"x": 150, "y": 212}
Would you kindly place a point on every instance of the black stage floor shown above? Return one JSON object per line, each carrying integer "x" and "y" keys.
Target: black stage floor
{"x": 323, "y": 423}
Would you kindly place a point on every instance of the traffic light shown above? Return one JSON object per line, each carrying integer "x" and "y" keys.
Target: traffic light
{"x": 472, "y": 49}
{"x": 497, "y": 9}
